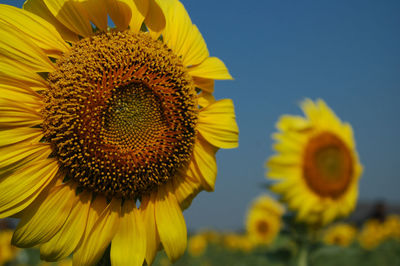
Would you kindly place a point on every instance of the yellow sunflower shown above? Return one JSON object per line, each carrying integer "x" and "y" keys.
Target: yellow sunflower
{"x": 197, "y": 245}
{"x": 372, "y": 234}
{"x": 7, "y": 251}
{"x": 391, "y": 226}
{"x": 316, "y": 165}
{"x": 340, "y": 234}
{"x": 106, "y": 134}
{"x": 264, "y": 220}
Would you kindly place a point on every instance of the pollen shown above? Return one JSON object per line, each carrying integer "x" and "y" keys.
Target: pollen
{"x": 120, "y": 114}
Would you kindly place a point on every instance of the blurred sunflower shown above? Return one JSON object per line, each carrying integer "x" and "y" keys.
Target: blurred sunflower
{"x": 238, "y": 242}
{"x": 264, "y": 220}
{"x": 340, "y": 234}
{"x": 372, "y": 234}
{"x": 391, "y": 226}
{"x": 106, "y": 134}
{"x": 316, "y": 164}
{"x": 197, "y": 245}
{"x": 7, "y": 251}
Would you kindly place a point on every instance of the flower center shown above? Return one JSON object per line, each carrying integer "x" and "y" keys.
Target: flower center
{"x": 262, "y": 227}
{"x": 120, "y": 114}
{"x": 328, "y": 165}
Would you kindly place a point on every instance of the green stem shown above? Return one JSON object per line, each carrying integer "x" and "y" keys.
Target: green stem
{"x": 303, "y": 256}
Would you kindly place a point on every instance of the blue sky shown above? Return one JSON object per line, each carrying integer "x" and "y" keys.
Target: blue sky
{"x": 281, "y": 51}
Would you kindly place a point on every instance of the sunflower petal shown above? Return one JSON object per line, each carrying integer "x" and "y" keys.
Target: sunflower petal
{"x": 13, "y": 74}
{"x": 205, "y": 99}
{"x": 217, "y": 124}
{"x": 96, "y": 12}
{"x": 182, "y": 36}
{"x": 42, "y": 33}
{"x": 72, "y": 15}
{"x": 14, "y": 46}
{"x": 95, "y": 243}
{"x": 204, "y": 163}
{"x": 155, "y": 19}
{"x": 170, "y": 223}
{"x": 12, "y": 136}
{"x": 39, "y": 8}
{"x": 24, "y": 185}
{"x": 206, "y": 85}
{"x": 19, "y": 94}
{"x": 130, "y": 238}
{"x": 126, "y": 13}
{"x": 211, "y": 68}
{"x": 17, "y": 115}
{"x": 65, "y": 241}
{"x": 186, "y": 188}
{"x": 10, "y": 155}
{"x": 147, "y": 212}
{"x": 44, "y": 218}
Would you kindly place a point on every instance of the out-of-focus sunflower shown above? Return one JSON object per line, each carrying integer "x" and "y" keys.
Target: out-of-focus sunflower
{"x": 391, "y": 226}
{"x": 197, "y": 245}
{"x": 371, "y": 234}
{"x": 238, "y": 242}
{"x": 316, "y": 165}
{"x": 64, "y": 262}
{"x": 264, "y": 220}
{"x": 7, "y": 251}
{"x": 106, "y": 134}
{"x": 340, "y": 234}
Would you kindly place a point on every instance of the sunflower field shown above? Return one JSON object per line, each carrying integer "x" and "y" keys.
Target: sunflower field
{"x": 114, "y": 116}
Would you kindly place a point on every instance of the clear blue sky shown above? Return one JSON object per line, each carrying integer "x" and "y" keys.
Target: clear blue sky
{"x": 279, "y": 52}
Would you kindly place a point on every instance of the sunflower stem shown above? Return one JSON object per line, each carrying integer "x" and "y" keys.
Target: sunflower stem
{"x": 303, "y": 256}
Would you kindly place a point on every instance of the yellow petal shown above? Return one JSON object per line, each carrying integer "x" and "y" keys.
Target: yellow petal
{"x": 139, "y": 12}
{"x": 186, "y": 187}
{"x": 126, "y": 13}
{"x": 42, "y": 33}
{"x": 147, "y": 212}
{"x": 45, "y": 217}
{"x": 65, "y": 241}
{"x": 20, "y": 94}
{"x": 95, "y": 243}
{"x": 72, "y": 15}
{"x": 10, "y": 155}
{"x": 217, "y": 124}
{"x": 11, "y": 73}
{"x": 170, "y": 223}
{"x": 39, "y": 8}
{"x": 18, "y": 115}
{"x": 23, "y": 186}
{"x": 14, "y": 46}
{"x": 205, "y": 99}
{"x": 96, "y": 12}
{"x": 194, "y": 50}
{"x": 155, "y": 19}
{"x": 182, "y": 36}
{"x": 211, "y": 68}
{"x": 206, "y": 85}
{"x": 12, "y": 136}
{"x": 204, "y": 164}
{"x": 129, "y": 244}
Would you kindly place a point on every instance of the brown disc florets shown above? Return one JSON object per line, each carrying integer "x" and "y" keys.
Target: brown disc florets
{"x": 328, "y": 165}
{"x": 120, "y": 114}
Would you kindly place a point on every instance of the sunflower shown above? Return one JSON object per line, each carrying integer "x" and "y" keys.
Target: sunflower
{"x": 264, "y": 220}
{"x": 197, "y": 245}
{"x": 372, "y": 234}
{"x": 340, "y": 234}
{"x": 316, "y": 164}
{"x": 106, "y": 133}
{"x": 7, "y": 251}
